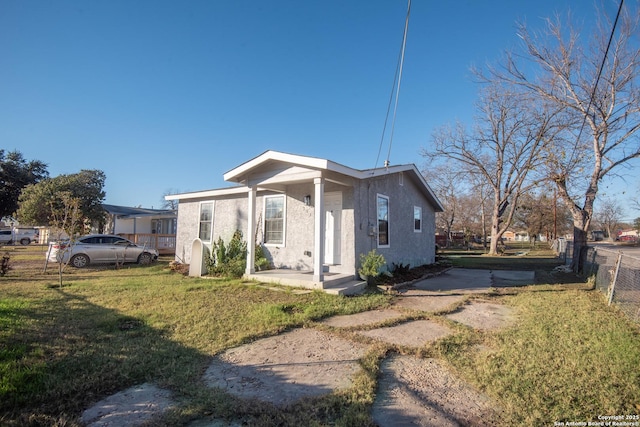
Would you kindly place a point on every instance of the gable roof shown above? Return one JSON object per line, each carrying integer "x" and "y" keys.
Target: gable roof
{"x": 238, "y": 173}
{"x": 278, "y": 160}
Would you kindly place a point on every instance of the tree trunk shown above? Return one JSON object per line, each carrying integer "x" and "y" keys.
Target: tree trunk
{"x": 495, "y": 227}
{"x": 493, "y": 244}
{"x": 484, "y": 226}
{"x": 579, "y": 249}
{"x": 581, "y": 219}
{"x": 581, "y": 222}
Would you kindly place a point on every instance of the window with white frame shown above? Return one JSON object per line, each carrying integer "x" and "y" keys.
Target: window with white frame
{"x": 206, "y": 221}
{"x": 274, "y": 220}
{"x": 417, "y": 219}
{"x": 383, "y": 221}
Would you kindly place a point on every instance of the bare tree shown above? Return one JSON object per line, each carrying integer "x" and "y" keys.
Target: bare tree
{"x": 482, "y": 197}
{"x": 169, "y": 204}
{"x": 596, "y": 83}
{"x": 446, "y": 184}
{"x": 608, "y": 215}
{"x": 504, "y": 148}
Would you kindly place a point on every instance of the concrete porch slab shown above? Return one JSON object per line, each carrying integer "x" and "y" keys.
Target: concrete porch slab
{"x": 333, "y": 283}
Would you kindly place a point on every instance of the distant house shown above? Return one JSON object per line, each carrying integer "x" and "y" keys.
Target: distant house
{"x": 132, "y": 220}
{"x": 313, "y": 217}
{"x": 153, "y": 227}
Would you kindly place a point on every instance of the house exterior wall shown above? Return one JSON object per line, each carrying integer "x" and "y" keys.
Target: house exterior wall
{"x": 188, "y": 212}
{"x": 230, "y": 214}
{"x": 405, "y": 245}
{"x": 297, "y": 253}
{"x": 358, "y": 223}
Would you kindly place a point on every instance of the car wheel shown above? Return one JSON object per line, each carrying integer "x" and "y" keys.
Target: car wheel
{"x": 25, "y": 241}
{"x": 145, "y": 258}
{"x": 80, "y": 261}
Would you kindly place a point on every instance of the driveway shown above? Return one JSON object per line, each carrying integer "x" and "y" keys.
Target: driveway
{"x": 469, "y": 280}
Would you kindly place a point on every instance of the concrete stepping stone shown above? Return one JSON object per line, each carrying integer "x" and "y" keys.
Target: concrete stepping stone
{"x": 287, "y": 367}
{"x": 131, "y": 407}
{"x": 411, "y": 334}
{"x": 484, "y": 315}
{"x": 361, "y": 319}
{"x": 423, "y": 392}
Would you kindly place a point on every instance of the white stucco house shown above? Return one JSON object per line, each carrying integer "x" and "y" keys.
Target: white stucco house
{"x": 313, "y": 217}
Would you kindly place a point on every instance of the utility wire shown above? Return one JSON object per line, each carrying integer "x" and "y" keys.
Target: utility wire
{"x": 386, "y": 119}
{"x": 604, "y": 60}
{"x": 395, "y": 88}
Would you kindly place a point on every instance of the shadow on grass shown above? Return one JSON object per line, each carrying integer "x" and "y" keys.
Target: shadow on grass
{"x": 65, "y": 355}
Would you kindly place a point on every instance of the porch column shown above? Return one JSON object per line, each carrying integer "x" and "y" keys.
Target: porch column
{"x": 251, "y": 225}
{"x": 318, "y": 243}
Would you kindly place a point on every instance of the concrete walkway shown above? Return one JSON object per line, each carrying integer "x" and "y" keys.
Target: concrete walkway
{"x": 468, "y": 280}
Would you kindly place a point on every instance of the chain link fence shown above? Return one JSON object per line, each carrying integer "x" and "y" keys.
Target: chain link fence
{"x": 617, "y": 276}
{"x": 564, "y": 249}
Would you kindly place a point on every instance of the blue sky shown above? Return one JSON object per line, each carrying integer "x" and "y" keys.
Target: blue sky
{"x": 168, "y": 95}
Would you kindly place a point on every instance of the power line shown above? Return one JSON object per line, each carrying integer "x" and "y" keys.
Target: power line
{"x": 395, "y": 88}
{"x": 604, "y": 60}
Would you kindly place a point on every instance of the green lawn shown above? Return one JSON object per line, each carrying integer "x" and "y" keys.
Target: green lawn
{"x": 569, "y": 357}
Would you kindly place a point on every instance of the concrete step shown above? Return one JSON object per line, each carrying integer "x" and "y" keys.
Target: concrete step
{"x": 334, "y": 279}
{"x": 351, "y": 287}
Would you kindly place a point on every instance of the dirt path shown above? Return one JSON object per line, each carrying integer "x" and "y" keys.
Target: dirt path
{"x": 308, "y": 362}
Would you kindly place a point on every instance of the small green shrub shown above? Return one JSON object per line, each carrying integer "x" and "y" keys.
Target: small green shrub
{"x": 228, "y": 260}
{"x": 370, "y": 264}
{"x": 261, "y": 261}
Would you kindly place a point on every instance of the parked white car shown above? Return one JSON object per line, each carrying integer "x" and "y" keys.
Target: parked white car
{"x": 25, "y": 235}
{"x": 100, "y": 249}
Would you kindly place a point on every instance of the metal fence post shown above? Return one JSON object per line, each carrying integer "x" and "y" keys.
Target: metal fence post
{"x": 612, "y": 286}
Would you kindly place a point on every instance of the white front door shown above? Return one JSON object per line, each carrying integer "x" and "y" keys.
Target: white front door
{"x": 333, "y": 227}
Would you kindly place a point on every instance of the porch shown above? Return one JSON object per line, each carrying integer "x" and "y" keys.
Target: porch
{"x": 164, "y": 243}
{"x": 333, "y": 283}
